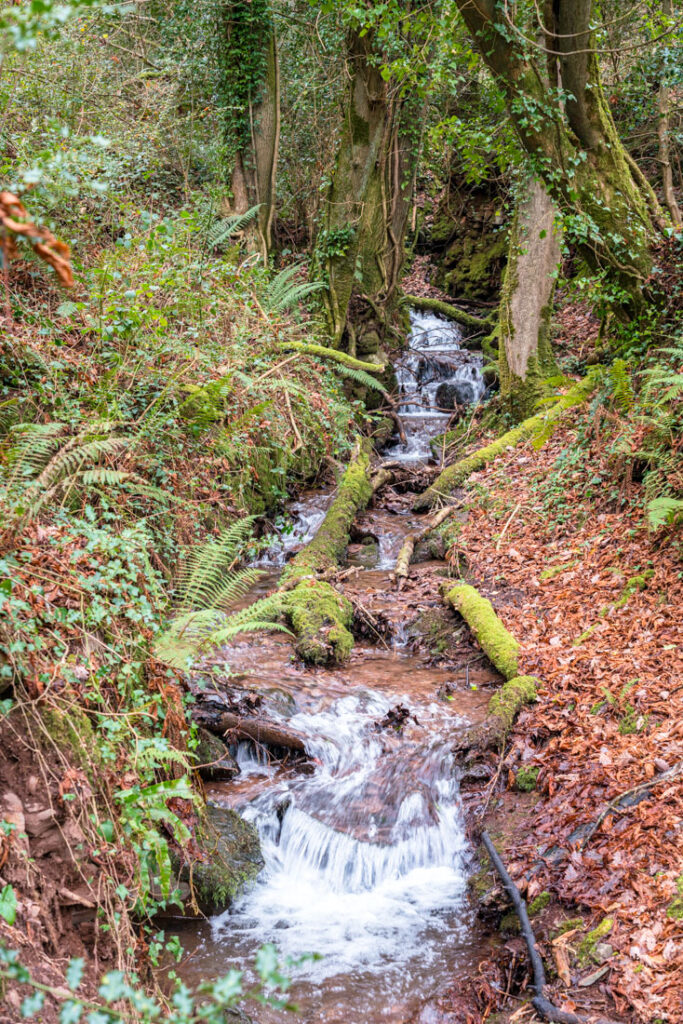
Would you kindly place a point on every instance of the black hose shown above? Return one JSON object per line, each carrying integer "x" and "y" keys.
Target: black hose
{"x": 542, "y": 1005}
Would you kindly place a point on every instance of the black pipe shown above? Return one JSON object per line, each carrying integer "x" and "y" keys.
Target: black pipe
{"x": 542, "y": 1005}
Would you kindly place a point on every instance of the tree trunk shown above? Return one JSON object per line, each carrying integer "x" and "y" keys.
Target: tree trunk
{"x": 250, "y": 87}
{"x": 526, "y": 302}
{"x": 360, "y": 246}
{"x": 663, "y": 109}
{"x": 573, "y": 146}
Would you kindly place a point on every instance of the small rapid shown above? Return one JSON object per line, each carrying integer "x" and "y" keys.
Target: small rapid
{"x": 435, "y": 375}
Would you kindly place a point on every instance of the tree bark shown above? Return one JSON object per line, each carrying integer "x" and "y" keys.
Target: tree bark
{"x": 360, "y": 245}
{"x": 254, "y": 170}
{"x": 663, "y": 110}
{"x": 525, "y": 353}
{"x": 573, "y": 146}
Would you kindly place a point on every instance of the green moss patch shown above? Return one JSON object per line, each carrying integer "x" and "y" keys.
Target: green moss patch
{"x": 321, "y": 619}
{"x": 587, "y": 946}
{"x": 526, "y": 779}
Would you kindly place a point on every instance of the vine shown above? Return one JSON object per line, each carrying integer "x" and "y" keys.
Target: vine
{"x": 242, "y": 32}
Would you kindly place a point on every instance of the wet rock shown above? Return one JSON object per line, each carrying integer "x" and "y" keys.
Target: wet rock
{"x": 214, "y": 760}
{"x": 453, "y": 393}
{"x": 231, "y": 859}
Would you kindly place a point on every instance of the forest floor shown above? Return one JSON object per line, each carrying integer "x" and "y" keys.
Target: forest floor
{"x": 556, "y": 539}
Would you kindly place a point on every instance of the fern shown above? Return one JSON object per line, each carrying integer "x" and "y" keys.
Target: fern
{"x": 621, "y": 385}
{"x": 283, "y": 292}
{"x": 664, "y": 511}
{"x": 224, "y": 229}
{"x": 360, "y": 376}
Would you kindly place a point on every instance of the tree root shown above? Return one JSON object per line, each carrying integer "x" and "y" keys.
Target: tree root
{"x": 614, "y": 805}
{"x": 543, "y": 1006}
{"x": 454, "y": 476}
{"x": 334, "y": 354}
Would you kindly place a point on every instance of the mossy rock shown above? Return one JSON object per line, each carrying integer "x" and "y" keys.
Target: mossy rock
{"x": 232, "y": 859}
{"x": 587, "y": 947}
{"x": 214, "y": 760}
{"x": 434, "y": 629}
{"x": 539, "y": 903}
{"x": 675, "y": 908}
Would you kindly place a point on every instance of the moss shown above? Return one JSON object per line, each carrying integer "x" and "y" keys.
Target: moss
{"x": 322, "y": 352}
{"x": 448, "y": 311}
{"x": 328, "y": 547}
{"x": 510, "y": 923}
{"x": 74, "y": 734}
{"x": 231, "y": 859}
{"x": 587, "y": 946}
{"x": 567, "y": 926}
{"x": 526, "y": 779}
{"x": 454, "y": 476}
{"x": 511, "y": 697}
{"x": 539, "y": 903}
{"x": 675, "y": 908}
{"x": 500, "y": 646}
{"x": 321, "y": 618}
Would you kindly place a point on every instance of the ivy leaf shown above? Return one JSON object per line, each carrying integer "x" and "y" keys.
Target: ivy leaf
{"x": 74, "y": 973}
{"x": 70, "y": 1012}
{"x": 8, "y": 904}
{"x": 32, "y": 1004}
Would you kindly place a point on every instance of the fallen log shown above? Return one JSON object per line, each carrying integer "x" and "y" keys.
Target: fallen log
{"x": 260, "y": 730}
{"x": 448, "y": 311}
{"x": 498, "y": 644}
{"x": 540, "y": 1003}
{"x": 454, "y": 476}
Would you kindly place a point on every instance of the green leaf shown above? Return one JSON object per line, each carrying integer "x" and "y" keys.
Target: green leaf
{"x": 8, "y": 904}
{"x": 74, "y": 973}
{"x": 70, "y": 1012}
{"x": 32, "y": 1004}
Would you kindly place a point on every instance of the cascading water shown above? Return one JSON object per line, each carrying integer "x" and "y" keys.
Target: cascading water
{"x": 366, "y": 858}
{"x": 365, "y": 853}
{"x": 434, "y": 374}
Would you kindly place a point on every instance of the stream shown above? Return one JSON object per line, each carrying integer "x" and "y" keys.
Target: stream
{"x": 366, "y": 856}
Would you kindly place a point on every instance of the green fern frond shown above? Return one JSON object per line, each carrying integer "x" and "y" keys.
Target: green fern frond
{"x": 224, "y": 229}
{"x": 32, "y": 445}
{"x": 360, "y": 376}
{"x": 621, "y": 385}
{"x": 664, "y": 511}
{"x": 283, "y": 292}
{"x": 206, "y": 579}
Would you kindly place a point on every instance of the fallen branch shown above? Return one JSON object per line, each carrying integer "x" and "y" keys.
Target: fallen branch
{"x": 543, "y": 1006}
{"x": 450, "y": 312}
{"x": 402, "y": 567}
{"x": 260, "y": 730}
{"x": 643, "y": 787}
{"x": 454, "y": 476}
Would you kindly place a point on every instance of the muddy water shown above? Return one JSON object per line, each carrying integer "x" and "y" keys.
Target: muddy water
{"x": 366, "y": 857}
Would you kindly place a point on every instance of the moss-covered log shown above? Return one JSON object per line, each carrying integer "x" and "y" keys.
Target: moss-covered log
{"x": 319, "y": 615}
{"x": 335, "y": 355}
{"x": 454, "y": 476}
{"x": 498, "y": 644}
{"x": 448, "y": 311}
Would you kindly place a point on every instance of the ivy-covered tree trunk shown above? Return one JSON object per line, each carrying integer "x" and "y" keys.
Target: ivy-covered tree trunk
{"x": 250, "y": 96}
{"x": 525, "y": 353}
{"x": 570, "y": 136}
{"x": 359, "y": 248}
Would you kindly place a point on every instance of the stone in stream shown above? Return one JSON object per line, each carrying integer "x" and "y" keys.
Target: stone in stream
{"x": 452, "y": 393}
{"x": 232, "y": 859}
{"x": 214, "y": 760}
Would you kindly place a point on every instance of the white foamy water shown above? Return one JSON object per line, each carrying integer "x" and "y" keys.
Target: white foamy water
{"x": 366, "y": 857}
{"x": 432, "y": 373}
